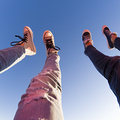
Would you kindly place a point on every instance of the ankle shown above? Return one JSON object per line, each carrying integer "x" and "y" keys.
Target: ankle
{"x": 88, "y": 44}
{"x": 55, "y": 52}
{"x": 22, "y": 44}
{"x": 52, "y": 50}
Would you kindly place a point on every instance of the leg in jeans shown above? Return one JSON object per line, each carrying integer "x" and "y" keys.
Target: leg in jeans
{"x": 11, "y": 56}
{"x": 117, "y": 43}
{"x": 42, "y": 100}
{"x": 109, "y": 67}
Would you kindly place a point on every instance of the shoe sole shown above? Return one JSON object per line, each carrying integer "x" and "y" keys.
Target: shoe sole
{"x": 88, "y": 32}
{"x": 103, "y": 27}
{"x": 32, "y": 50}
{"x": 44, "y": 39}
{"x": 44, "y": 35}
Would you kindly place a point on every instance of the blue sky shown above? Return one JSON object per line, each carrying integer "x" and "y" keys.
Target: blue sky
{"x": 86, "y": 94}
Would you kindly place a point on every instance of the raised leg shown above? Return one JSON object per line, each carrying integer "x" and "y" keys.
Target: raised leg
{"x": 109, "y": 67}
{"x": 11, "y": 56}
{"x": 42, "y": 100}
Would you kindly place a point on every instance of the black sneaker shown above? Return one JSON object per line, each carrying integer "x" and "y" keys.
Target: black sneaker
{"x": 86, "y": 37}
{"x": 107, "y": 33}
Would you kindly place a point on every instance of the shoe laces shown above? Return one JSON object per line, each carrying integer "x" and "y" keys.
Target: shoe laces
{"x": 25, "y": 39}
{"x": 49, "y": 45}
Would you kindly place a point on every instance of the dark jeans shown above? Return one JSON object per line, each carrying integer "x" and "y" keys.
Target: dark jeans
{"x": 109, "y": 67}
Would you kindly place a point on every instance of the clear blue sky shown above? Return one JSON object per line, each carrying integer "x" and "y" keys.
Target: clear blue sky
{"x": 86, "y": 94}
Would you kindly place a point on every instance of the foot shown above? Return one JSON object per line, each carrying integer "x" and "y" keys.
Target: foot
{"x": 48, "y": 40}
{"x": 26, "y": 41}
{"x": 29, "y": 45}
{"x": 86, "y": 38}
{"x": 109, "y": 36}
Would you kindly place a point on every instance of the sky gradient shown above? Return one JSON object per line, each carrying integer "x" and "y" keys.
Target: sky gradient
{"x": 85, "y": 93}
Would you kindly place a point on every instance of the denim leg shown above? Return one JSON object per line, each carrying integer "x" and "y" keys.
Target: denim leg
{"x": 10, "y": 56}
{"x": 109, "y": 67}
{"x": 42, "y": 100}
{"x": 117, "y": 43}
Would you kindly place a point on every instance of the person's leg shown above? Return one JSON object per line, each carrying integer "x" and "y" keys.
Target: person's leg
{"x": 42, "y": 100}
{"x": 117, "y": 43}
{"x": 11, "y": 56}
{"x": 109, "y": 67}
{"x": 112, "y": 39}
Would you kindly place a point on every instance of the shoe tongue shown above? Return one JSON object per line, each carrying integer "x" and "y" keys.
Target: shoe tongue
{"x": 106, "y": 28}
{"x": 86, "y": 33}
